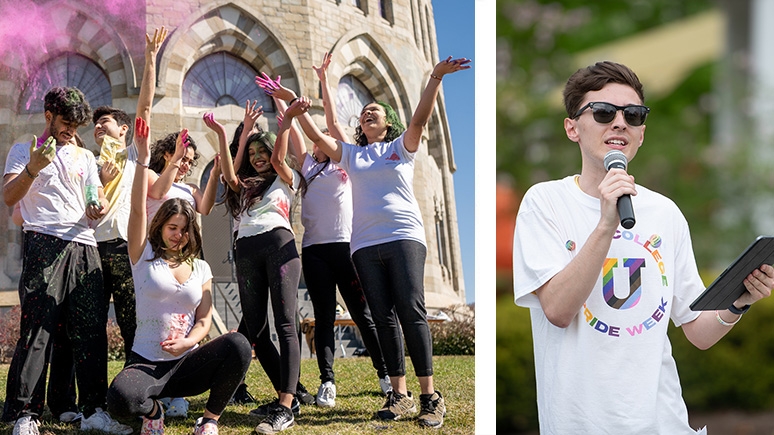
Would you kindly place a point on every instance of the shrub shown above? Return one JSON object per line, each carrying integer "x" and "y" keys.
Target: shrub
{"x": 516, "y": 392}
{"x": 115, "y": 342}
{"x": 457, "y": 336}
{"x": 9, "y": 333}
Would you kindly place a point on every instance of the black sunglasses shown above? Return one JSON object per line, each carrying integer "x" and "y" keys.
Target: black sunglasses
{"x": 605, "y": 113}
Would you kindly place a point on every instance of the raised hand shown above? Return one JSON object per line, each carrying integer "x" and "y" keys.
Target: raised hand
{"x": 41, "y": 153}
{"x": 215, "y": 171}
{"x": 299, "y": 107}
{"x": 181, "y": 145}
{"x": 152, "y": 45}
{"x": 450, "y": 65}
{"x": 273, "y": 88}
{"x": 141, "y": 134}
{"x": 323, "y": 68}
{"x": 252, "y": 114}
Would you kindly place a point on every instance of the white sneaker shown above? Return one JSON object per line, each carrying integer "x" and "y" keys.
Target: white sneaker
{"x": 178, "y": 407}
{"x": 70, "y": 417}
{"x": 326, "y": 395}
{"x": 26, "y": 426}
{"x": 385, "y": 384}
{"x": 102, "y": 421}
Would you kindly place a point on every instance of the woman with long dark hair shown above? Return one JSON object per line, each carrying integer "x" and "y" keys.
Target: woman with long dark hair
{"x": 388, "y": 238}
{"x": 261, "y": 193}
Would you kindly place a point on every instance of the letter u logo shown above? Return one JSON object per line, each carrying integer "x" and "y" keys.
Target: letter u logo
{"x": 635, "y": 282}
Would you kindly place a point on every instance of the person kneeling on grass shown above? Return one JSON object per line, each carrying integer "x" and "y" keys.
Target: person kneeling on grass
{"x": 174, "y": 313}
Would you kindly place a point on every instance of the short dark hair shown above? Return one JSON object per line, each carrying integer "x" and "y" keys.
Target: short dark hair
{"x": 594, "y": 78}
{"x": 68, "y": 102}
{"x": 121, "y": 118}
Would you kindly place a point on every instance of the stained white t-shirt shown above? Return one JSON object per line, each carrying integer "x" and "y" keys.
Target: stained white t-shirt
{"x": 384, "y": 206}
{"x": 611, "y": 370}
{"x": 327, "y": 207}
{"x": 178, "y": 190}
{"x": 115, "y": 223}
{"x": 166, "y": 309}
{"x": 272, "y": 211}
{"x": 55, "y": 203}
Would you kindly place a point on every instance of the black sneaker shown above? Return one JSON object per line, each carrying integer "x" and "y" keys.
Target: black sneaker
{"x": 265, "y": 409}
{"x": 432, "y": 410}
{"x": 303, "y": 396}
{"x": 278, "y": 420}
{"x": 397, "y": 406}
{"x": 242, "y": 396}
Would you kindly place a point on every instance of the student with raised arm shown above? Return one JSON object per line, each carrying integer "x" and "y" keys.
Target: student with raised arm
{"x": 260, "y": 194}
{"x": 61, "y": 279}
{"x": 327, "y": 218}
{"x": 170, "y": 163}
{"x": 174, "y": 313}
{"x": 388, "y": 238}
{"x": 118, "y": 156}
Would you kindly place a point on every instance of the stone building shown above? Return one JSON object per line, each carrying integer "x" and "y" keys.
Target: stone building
{"x": 383, "y": 50}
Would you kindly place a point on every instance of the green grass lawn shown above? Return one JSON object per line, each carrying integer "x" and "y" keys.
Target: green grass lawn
{"x": 357, "y": 400}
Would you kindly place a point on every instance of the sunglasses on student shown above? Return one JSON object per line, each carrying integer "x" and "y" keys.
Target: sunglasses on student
{"x": 604, "y": 113}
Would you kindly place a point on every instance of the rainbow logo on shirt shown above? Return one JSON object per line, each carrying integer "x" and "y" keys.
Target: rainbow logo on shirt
{"x": 634, "y": 267}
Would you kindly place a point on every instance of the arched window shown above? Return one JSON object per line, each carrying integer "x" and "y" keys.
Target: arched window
{"x": 67, "y": 70}
{"x": 220, "y": 79}
{"x": 351, "y": 97}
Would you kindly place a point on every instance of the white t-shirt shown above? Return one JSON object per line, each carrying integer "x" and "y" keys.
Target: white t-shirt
{"x": 114, "y": 225}
{"x": 166, "y": 309}
{"x": 327, "y": 210}
{"x": 56, "y": 201}
{"x": 385, "y": 208}
{"x": 178, "y": 190}
{"x": 272, "y": 211}
{"x": 611, "y": 370}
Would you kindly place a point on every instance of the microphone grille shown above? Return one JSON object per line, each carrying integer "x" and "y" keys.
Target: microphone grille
{"x": 615, "y": 156}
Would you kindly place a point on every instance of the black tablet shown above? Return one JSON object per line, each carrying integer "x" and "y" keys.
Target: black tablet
{"x": 730, "y": 284}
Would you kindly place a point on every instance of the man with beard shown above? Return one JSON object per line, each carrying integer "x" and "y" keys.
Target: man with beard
{"x": 59, "y": 191}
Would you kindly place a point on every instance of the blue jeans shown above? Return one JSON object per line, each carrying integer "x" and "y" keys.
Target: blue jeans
{"x": 392, "y": 275}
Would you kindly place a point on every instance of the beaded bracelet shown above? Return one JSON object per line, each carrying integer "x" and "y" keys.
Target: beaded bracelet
{"x": 26, "y": 169}
{"x": 723, "y": 322}
{"x": 433, "y": 76}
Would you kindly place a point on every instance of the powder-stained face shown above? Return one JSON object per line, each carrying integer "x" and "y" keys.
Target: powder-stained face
{"x": 260, "y": 157}
{"x": 63, "y": 131}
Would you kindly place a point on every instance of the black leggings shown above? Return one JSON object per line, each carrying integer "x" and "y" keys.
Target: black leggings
{"x": 268, "y": 264}
{"x": 325, "y": 266}
{"x": 218, "y": 366}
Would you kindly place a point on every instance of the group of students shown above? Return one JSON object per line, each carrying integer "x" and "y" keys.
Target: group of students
{"x": 138, "y": 241}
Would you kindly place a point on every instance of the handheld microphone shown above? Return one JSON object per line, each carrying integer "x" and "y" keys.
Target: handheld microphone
{"x": 617, "y": 159}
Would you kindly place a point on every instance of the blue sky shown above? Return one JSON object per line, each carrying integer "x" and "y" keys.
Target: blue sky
{"x": 454, "y": 27}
